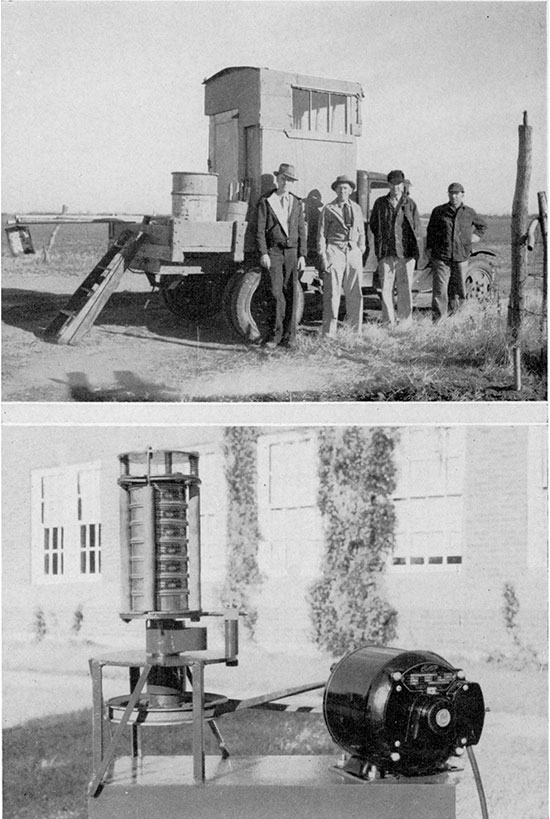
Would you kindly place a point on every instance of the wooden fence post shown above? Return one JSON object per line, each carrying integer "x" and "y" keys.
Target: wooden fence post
{"x": 520, "y": 216}
{"x": 46, "y": 251}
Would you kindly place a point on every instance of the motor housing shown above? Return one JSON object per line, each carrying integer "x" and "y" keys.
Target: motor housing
{"x": 405, "y": 712}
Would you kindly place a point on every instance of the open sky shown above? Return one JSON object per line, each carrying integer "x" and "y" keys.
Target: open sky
{"x": 103, "y": 100}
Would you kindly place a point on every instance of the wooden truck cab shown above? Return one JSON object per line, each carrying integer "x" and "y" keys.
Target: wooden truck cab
{"x": 260, "y": 118}
{"x": 203, "y": 256}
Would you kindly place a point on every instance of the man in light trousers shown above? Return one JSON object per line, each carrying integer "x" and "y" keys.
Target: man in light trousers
{"x": 341, "y": 244}
{"x": 395, "y": 224}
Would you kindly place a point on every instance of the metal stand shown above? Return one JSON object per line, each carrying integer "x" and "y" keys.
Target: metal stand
{"x": 140, "y": 666}
{"x": 273, "y": 787}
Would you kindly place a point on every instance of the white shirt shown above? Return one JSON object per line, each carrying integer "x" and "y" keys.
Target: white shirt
{"x": 281, "y": 205}
{"x": 285, "y": 204}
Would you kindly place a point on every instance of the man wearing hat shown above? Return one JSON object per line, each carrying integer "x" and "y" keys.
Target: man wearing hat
{"x": 341, "y": 244}
{"x": 448, "y": 244}
{"x": 281, "y": 237}
{"x": 395, "y": 224}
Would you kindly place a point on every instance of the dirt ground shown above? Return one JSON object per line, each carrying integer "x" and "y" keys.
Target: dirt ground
{"x": 139, "y": 351}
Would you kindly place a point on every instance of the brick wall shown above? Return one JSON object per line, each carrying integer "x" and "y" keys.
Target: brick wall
{"x": 463, "y": 610}
{"x": 458, "y": 610}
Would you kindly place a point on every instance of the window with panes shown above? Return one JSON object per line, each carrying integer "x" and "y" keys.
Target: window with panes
{"x": 289, "y": 518}
{"x": 66, "y": 523}
{"x": 429, "y": 499}
{"x": 324, "y": 112}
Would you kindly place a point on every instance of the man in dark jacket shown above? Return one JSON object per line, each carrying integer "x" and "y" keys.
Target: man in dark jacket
{"x": 281, "y": 237}
{"x": 448, "y": 245}
{"x": 395, "y": 225}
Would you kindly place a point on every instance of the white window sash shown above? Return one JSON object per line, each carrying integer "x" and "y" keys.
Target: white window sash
{"x": 55, "y": 504}
{"x": 429, "y": 500}
{"x": 289, "y": 519}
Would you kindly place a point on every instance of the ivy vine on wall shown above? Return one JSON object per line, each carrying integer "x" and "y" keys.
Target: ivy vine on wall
{"x": 243, "y": 576}
{"x": 357, "y": 477}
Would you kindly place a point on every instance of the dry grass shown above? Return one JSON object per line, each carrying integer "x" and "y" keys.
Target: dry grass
{"x": 466, "y": 357}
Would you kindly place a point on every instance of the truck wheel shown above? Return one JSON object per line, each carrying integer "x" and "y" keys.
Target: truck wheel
{"x": 249, "y": 305}
{"x": 227, "y": 300}
{"x": 480, "y": 281}
{"x": 193, "y": 298}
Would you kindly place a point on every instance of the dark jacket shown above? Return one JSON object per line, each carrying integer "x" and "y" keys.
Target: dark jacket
{"x": 270, "y": 233}
{"x": 381, "y": 221}
{"x": 449, "y": 234}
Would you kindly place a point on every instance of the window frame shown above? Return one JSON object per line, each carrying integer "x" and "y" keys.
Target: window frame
{"x": 351, "y": 113}
{"x": 53, "y": 553}
{"x": 90, "y": 552}
{"x": 404, "y": 558}
{"x": 277, "y": 554}
{"x": 213, "y": 515}
{"x": 69, "y": 519}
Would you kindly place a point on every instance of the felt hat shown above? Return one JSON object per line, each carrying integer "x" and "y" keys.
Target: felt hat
{"x": 343, "y": 179}
{"x": 287, "y": 170}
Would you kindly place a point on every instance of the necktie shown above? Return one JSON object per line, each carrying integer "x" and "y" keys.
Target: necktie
{"x": 285, "y": 203}
{"x": 347, "y": 215}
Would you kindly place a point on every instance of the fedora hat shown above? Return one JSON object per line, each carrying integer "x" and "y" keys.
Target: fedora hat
{"x": 287, "y": 170}
{"x": 343, "y": 179}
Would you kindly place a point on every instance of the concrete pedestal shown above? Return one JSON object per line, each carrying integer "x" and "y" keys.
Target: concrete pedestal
{"x": 272, "y": 787}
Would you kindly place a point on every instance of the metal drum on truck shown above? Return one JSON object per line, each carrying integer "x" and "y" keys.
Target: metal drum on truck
{"x": 194, "y": 196}
{"x": 233, "y": 211}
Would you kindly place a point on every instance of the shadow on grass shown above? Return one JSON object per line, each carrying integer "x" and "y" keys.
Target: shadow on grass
{"x": 33, "y": 310}
{"x": 403, "y": 390}
{"x": 465, "y": 363}
{"x": 48, "y": 762}
{"x": 130, "y": 387}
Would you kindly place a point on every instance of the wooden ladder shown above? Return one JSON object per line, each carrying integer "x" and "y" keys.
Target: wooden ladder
{"x": 75, "y": 319}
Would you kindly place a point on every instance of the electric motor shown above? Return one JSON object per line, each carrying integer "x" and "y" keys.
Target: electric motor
{"x": 405, "y": 712}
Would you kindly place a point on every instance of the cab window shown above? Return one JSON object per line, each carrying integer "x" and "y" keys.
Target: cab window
{"x": 323, "y": 111}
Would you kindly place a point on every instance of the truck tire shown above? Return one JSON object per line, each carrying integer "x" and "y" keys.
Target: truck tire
{"x": 193, "y": 298}
{"x": 249, "y": 307}
{"x": 480, "y": 281}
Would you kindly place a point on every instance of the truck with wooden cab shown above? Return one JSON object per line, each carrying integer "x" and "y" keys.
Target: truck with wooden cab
{"x": 203, "y": 256}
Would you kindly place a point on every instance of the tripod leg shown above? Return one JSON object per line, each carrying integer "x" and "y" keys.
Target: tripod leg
{"x": 219, "y": 739}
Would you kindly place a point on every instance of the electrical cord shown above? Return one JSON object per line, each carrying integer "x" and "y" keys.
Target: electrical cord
{"x": 479, "y": 783}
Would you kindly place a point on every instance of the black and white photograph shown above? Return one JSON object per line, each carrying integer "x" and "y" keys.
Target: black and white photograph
{"x": 274, "y": 409}
{"x": 357, "y": 606}
{"x": 263, "y": 201}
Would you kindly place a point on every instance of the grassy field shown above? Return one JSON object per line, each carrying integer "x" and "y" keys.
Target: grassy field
{"x": 76, "y": 241}
{"x": 47, "y": 761}
{"x": 160, "y": 357}
{"x": 78, "y": 245}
